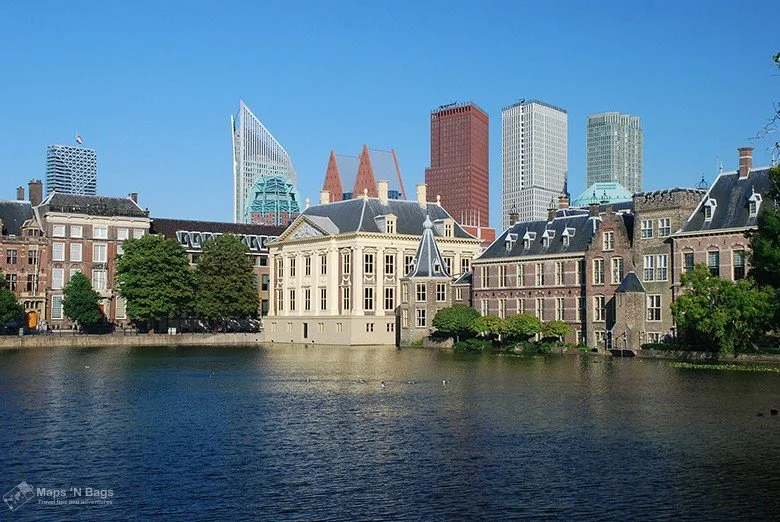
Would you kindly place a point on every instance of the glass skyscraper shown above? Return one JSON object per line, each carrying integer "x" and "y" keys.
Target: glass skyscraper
{"x": 71, "y": 170}
{"x": 261, "y": 169}
{"x": 614, "y": 150}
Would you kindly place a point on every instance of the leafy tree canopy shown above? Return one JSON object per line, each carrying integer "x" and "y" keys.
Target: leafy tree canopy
{"x": 226, "y": 284}
{"x": 456, "y": 321}
{"x": 81, "y": 303}
{"x": 521, "y": 327}
{"x": 765, "y": 240}
{"x": 487, "y": 326}
{"x": 154, "y": 276}
{"x": 556, "y": 328}
{"x": 10, "y": 309}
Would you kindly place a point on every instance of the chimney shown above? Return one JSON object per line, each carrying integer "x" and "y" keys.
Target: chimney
{"x": 134, "y": 197}
{"x": 324, "y": 197}
{"x": 514, "y": 217}
{"x": 20, "y": 193}
{"x": 35, "y": 192}
{"x": 552, "y": 210}
{"x": 421, "y": 194}
{"x": 383, "y": 186}
{"x": 608, "y": 209}
{"x": 745, "y": 161}
{"x": 593, "y": 210}
{"x": 563, "y": 201}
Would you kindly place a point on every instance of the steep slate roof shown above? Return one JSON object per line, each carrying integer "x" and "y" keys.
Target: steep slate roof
{"x": 92, "y": 205}
{"x": 631, "y": 283}
{"x": 731, "y": 195}
{"x": 14, "y": 213}
{"x": 169, "y": 227}
{"x": 464, "y": 279}
{"x": 358, "y": 215}
{"x": 428, "y": 261}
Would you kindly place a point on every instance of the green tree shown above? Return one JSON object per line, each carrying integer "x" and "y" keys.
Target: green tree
{"x": 556, "y": 328}
{"x": 487, "y": 326}
{"x": 226, "y": 284}
{"x": 10, "y": 309}
{"x": 456, "y": 321}
{"x": 80, "y": 302}
{"x": 765, "y": 240}
{"x": 722, "y": 315}
{"x": 154, "y": 276}
{"x": 521, "y": 327}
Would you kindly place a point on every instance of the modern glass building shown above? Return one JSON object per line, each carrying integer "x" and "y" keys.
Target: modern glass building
{"x": 534, "y": 158}
{"x": 274, "y": 200}
{"x": 71, "y": 170}
{"x": 614, "y": 150}
{"x": 259, "y": 163}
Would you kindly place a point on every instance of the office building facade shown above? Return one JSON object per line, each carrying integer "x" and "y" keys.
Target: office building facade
{"x": 534, "y": 158}
{"x": 71, "y": 170}
{"x": 613, "y": 150}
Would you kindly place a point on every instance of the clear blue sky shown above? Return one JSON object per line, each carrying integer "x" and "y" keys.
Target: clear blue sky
{"x": 151, "y": 86}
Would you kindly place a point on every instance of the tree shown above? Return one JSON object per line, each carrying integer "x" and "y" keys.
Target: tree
{"x": 81, "y": 303}
{"x": 487, "y": 326}
{"x": 226, "y": 284}
{"x": 521, "y": 327}
{"x": 765, "y": 240}
{"x": 154, "y": 276}
{"x": 456, "y": 321}
{"x": 722, "y": 315}
{"x": 556, "y": 328}
{"x": 10, "y": 309}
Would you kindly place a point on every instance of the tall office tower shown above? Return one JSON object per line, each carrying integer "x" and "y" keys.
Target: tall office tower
{"x": 71, "y": 170}
{"x": 264, "y": 179}
{"x": 459, "y": 170}
{"x": 614, "y": 150}
{"x": 534, "y": 158}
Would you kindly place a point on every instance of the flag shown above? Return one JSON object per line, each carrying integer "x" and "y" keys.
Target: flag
{"x": 79, "y": 139}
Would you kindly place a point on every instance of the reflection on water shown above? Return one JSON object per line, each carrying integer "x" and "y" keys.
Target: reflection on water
{"x": 309, "y": 433}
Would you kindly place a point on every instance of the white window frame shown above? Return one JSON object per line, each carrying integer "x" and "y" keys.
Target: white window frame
{"x": 100, "y": 232}
{"x": 58, "y": 251}
{"x": 100, "y": 252}
{"x": 76, "y": 252}
{"x": 76, "y": 231}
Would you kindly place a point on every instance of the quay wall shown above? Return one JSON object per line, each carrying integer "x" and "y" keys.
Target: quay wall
{"x": 95, "y": 341}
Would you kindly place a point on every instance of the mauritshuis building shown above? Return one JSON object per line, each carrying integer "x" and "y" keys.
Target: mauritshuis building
{"x": 264, "y": 179}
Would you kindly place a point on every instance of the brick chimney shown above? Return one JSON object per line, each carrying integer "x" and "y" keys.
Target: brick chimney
{"x": 383, "y": 187}
{"x": 593, "y": 209}
{"x": 745, "y": 161}
{"x": 20, "y": 193}
{"x": 134, "y": 197}
{"x": 552, "y": 210}
{"x": 35, "y": 192}
{"x": 324, "y": 197}
{"x": 563, "y": 201}
{"x": 422, "y": 194}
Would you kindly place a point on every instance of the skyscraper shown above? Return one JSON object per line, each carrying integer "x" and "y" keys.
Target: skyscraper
{"x": 459, "y": 170}
{"x": 71, "y": 170}
{"x": 263, "y": 175}
{"x": 614, "y": 150}
{"x": 534, "y": 158}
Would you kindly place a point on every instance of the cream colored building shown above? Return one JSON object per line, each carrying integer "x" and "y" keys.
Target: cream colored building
{"x": 336, "y": 271}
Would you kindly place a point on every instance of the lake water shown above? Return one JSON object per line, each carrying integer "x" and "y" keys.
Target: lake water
{"x": 310, "y": 433}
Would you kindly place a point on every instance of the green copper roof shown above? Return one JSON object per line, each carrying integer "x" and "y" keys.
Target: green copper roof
{"x": 610, "y": 192}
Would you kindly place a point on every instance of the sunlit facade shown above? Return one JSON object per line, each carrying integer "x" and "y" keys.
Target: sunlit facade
{"x": 256, "y": 155}
{"x": 71, "y": 170}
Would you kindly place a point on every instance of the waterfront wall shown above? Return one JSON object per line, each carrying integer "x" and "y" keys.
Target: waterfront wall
{"x": 81, "y": 340}
{"x": 682, "y": 355}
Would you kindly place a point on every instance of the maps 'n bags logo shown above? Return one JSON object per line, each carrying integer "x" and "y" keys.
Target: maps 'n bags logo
{"x": 19, "y": 496}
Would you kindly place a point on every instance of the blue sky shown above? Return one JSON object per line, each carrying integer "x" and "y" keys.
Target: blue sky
{"x": 151, "y": 85}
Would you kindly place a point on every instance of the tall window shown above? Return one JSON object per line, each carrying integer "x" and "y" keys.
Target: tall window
{"x": 265, "y": 281}
{"x": 32, "y": 283}
{"x": 688, "y": 261}
{"x": 345, "y": 303}
{"x": 580, "y": 308}
{"x": 368, "y": 263}
{"x": 368, "y": 298}
{"x": 420, "y": 291}
{"x": 502, "y": 276}
{"x": 323, "y": 264}
{"x": 307, "y": 266}
{"x": 465, "y": 265}
{"x": 404, "y": 293}
{"x": 520, "y": 274}
{"x": 447, "y": 229}
{"x": 11, "y": 281}
{"x": 485, "y": 274}
{"x": 58, "y": 251}
{"x": 598, "y": 271}
{"x": 389, "y": 264}
{"x": 99, "y": 278}
{"x": 100, "y": 232}
{"x": 539, "y": 274}
{"x": 75, "y": 252}
{"x": 292, "y": 267}
{"x": 559, "y": 273}
{"x": 323, "y": 299}
{"x": 99, "y": 253}
{"x": 346, "y": 261}
{"x": 57, "y": 278}
{"x": 121, "y": 308}
{"x": 616, "y": 270}
{"x": 76, "y": 231}
{"x": 520, "y": 305}
{"x": 580, "y": 272}
{"x": 390, "y": 226}
{"x": 483, "y": 307}
{"x": 307, "y": 298}
{"x": 649, "y": 272}
{"x": 58, "y": 230}
{"x": 459, "y": 294}
{"x": 647, "y": 228}
{"x": 279, "y": 300}
{"x": 122, "y": 233}
{"x": 713, "y": 262}
{"x": 739, "y": 264}
{"x": 540, "y": 308}
{"x": 653, "y": 307}
{"x": 448, "y": 265}
{"x": 10, "y": 256}
{"x": 662, "y": 267}
{"x": 664, "y": 227}
{"x": 408, "y": 263}
{"x": 559, "y": 308}
{"x": 421, "y": 319}
{"x": 33, "y": 257}
{"x": 56, "y": 306}
{"x": 599, "y": 308}
{"x": 389, "y": 298}
{"x": 441, "y": 292}
{"x": 292, "y": 300}
{"x": 609, "y": 240}
{"x": 405, "y": 318}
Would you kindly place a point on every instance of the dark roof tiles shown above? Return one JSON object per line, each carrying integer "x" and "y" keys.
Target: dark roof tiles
{"x": 14, "y": 213}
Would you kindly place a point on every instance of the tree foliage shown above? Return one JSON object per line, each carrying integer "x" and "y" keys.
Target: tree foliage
{"x": 154, "y": 276}
{"x": 765, "y": 240}
{"x": 10, "y": 309}
{"x": 456, "y": 321}
{"x": 521, "y": 327}
{"x": 226, "y": 285}
{"x": 81, "y": 303}
{"x": 556, "y": 328}
{"x": 487, "y": 326}
{"x": 722, "y": 315}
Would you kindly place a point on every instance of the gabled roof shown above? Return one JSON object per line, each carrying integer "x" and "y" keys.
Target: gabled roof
{"x": 14, "y": 214}
{"x": 464, "y": 279}
{"x": 731, "y": 196}
{"x": 612, "y": 192}
{"x": 92, "y": 205}
{"x": 428, "y": 261}
{"x": 631, "y": 283}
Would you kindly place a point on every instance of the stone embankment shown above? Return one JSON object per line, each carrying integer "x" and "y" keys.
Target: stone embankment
{"x": 127, "y": 339}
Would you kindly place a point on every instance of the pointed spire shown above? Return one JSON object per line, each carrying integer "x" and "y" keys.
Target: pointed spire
{"x": 428, "y": 262}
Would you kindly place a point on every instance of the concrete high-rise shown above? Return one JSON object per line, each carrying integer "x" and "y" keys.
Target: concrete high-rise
{"x": 71, "y": 170}
{"x": 614, "y": 150}
{"x": 534, "y": 158}
{"x": 459, "y": 170}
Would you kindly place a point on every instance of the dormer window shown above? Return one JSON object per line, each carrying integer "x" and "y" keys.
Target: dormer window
{"x": 567, "y": 235}
{"x": 448, "y": 227}
{"x": 510, "y": 241}
{"x": 528, "y": 238}
{"x": 709, "y": 209}
{"x": 390, "y": 226}
{"x": 754, "y": 203}
{"x": 436, "y": 267}
{"x": 547, "y": 236}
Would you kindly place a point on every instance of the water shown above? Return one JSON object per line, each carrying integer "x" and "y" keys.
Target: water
{"x": 309, "y": 433}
